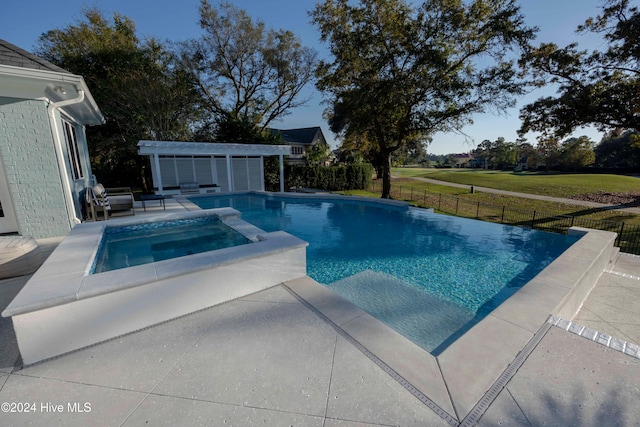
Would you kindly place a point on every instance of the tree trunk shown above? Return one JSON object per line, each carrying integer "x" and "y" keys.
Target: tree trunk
{"x": 386, "y": 176}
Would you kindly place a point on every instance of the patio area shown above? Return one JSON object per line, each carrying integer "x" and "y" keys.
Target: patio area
{"x": 270, "y": 358}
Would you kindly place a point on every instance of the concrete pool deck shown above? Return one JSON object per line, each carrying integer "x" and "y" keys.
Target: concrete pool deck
{"x": 268, "y": 358}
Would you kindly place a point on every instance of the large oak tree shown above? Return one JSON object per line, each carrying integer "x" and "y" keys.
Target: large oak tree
{"x": 249, "y": 75}
{"x": 600, "y": 88}
{"x": 133, "y": 81}
{"x": 399, "y": 74}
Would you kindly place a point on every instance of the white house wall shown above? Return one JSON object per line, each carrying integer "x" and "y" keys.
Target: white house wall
{"x": 31, "y": 167}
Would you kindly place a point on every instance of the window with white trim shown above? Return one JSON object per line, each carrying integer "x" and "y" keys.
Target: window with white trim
{"x": 73, "y": 151}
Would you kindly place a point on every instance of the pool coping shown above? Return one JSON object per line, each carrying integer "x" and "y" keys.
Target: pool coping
{"x": 457, "y": 379}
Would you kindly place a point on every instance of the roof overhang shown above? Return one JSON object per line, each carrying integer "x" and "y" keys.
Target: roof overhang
{"x": 175, "y": 148}
{"x": 27, "y": 83}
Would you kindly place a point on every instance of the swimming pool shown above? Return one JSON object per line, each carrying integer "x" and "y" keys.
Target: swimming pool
{"x": 131, "y": 245}
{"x": 429, "y": 276}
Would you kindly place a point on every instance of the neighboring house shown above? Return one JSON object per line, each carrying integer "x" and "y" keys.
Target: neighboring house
{"x": 300, "y": 140}
{"x": 44, "y": 160}
{"x": 461, "y": 160}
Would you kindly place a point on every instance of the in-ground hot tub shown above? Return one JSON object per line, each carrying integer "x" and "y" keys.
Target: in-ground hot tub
{"x": 126, "y": 246}
{"x": 65, "y": 307}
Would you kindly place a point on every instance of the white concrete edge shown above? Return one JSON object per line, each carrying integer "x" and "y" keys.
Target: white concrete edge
{"x": 51, "y": 286}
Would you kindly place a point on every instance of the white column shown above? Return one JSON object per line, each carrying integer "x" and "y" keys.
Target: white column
{"x": 214, "y": 171}
{"x": 229, "y": 174}
{"x": 158, "y": 172}
{"x": 261, "y": 173}
{"x": 246, "y": 165}
{"x": 281, "y": 173}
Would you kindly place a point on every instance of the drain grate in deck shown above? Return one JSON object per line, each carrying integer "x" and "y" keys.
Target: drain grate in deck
{"x": 386, "y": 368}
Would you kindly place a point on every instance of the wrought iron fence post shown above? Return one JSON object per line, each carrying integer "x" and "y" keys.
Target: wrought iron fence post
{"x": 457, "y": 200}
{"x": 502, "y": 217}
{"x": 533, "y": 220}
{"x": 620, "y": 234}
{"x": 478, "y": 211}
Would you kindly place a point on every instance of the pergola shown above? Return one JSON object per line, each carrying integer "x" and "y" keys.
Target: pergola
{"x": 214, "y": 166}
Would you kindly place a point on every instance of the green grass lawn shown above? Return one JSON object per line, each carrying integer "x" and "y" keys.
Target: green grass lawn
{"x": 549, "y": 184}
{"x": 414, "y": 191}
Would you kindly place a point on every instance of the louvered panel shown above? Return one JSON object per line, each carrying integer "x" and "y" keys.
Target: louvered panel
{"x": 240, "y": 175}
{"x": 221, "y": 168}
{"x": 202, "y": 167}
{"x": 168, "y": 172}
{"x": 184, "y": 166}
{"x": 255, "y": 177}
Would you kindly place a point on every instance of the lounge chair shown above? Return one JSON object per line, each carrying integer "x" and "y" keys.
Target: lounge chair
{"x": 121, "y": 200}
{"x": 97, "y": 202}
{"x": 101, "y": 202}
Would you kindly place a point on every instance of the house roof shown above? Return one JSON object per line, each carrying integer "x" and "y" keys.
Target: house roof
{"x": 25, "y": 76}
{"x": 11, "y": 54}
{"x": 306, "y": 136}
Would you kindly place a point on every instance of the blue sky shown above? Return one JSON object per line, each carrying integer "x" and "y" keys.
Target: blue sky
{"x": 22, "y": 22}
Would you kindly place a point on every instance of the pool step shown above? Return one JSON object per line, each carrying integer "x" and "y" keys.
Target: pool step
{"x": 423, "y": 317}
{"x": 625, "y": 265}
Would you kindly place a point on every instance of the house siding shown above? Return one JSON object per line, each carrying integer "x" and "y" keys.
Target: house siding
{"x": 29, "y": 158}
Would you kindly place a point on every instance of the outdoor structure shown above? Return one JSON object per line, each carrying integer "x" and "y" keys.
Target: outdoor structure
{"x": 44, "y": 160}
{"x": 300, "y": 140}
{"x": 214, "y": 167}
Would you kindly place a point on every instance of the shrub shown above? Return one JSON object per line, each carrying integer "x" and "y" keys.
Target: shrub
{"x": 330, "y": 178}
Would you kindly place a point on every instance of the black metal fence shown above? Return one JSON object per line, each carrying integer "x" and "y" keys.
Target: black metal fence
{"x": 628, "y": 239}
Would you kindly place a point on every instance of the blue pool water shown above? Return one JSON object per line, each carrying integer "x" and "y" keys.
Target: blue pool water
{"x": 429, "y": 276}
{"x": 132, "y": 245}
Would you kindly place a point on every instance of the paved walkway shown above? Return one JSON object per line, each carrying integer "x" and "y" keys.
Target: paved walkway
{"x": 635, "y": 210}
{"x": 267, "y": 359}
